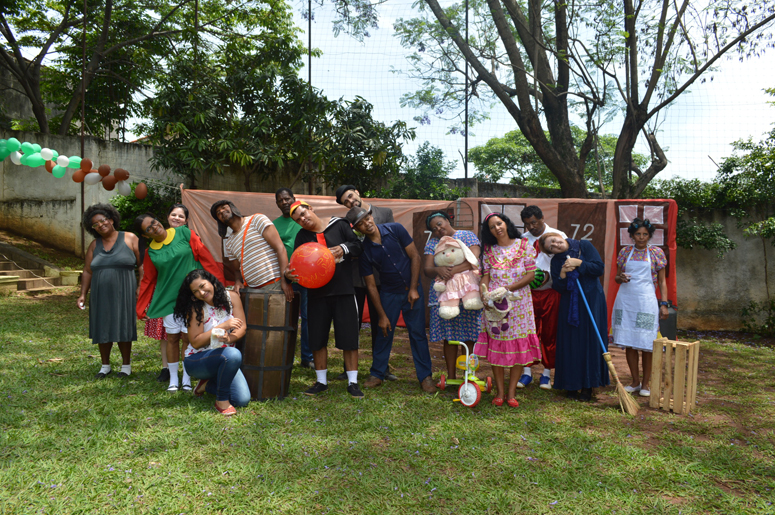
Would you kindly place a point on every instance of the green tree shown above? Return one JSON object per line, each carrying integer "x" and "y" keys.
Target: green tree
{"x": 127, "y": 42}
{"x": 514, "y": 158}
{"x": 424, "y": 177}
{"x": 546, "y": 63}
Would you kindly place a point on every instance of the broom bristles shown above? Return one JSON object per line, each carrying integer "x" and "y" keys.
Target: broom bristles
{"x": 626, "y": 402}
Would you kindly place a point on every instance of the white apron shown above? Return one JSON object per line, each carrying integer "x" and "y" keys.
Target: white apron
{"x": 635, "y": 319}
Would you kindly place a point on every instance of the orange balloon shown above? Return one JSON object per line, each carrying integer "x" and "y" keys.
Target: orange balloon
{"x": 86, "y": 165}
{"x": 50, "y": 166}
{"x": 109, "y": 182}
{"x": 104, "y": 170}
{"x": 121, "y": 174}
{"x": 314, "y": 264}
{"x": 79, "y": 175}
{"x": 141, "y": 191}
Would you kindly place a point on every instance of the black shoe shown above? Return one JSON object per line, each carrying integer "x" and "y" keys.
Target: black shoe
{"x": 164, "y": 375}
{"x": 585, "y": 395}
{"x": 317, "y": 388}
{"x": 121, "y": 375}
{"x": 390, "y": 376}
{"x": 102, "y": 375}
{"x": 307, "y": 364}
{"x": 354, "y": 390}
{"x": 341, "y": 377}
{"x": 572, "y": 394}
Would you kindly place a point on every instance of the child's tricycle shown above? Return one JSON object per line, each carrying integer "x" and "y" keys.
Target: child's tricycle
{"x": 470, "y": 391}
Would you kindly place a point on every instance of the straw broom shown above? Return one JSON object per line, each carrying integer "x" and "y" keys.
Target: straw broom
{"x": 626, "y": 402}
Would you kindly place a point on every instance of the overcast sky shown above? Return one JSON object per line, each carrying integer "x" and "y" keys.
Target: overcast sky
{"x": 702, "y": 123}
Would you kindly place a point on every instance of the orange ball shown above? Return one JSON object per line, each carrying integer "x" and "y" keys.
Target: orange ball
{"x": 121, "y": 174}
{"x": 79, "y": 175}
{"x": 104, "y": 170}
{"x": 50, "y": 166}
{"x": 86, "y": 165}
{"x": 314, "y": 264}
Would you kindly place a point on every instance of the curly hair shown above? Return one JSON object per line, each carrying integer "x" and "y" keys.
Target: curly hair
{"x": 174, "y": 207}
{"x": 637, "y": 223}
{"x": 487, "y": 238}
{"x": 186, "y": 304}
{"x": 138, "y": 225}
{"x": 105, "y": 210}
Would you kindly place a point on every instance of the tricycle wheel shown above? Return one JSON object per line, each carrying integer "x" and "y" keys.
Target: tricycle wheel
{"x": 489, "y": 384}
{"x": 442, "y": 382}
{"x": 470, "y": 394}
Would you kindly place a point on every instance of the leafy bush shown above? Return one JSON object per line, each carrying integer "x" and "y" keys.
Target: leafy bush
{"x": 759, "y": 318}
{"x": 159, "y": 199}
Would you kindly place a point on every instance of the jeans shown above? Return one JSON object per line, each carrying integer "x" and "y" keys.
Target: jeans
{"x": 306, "y": 354}
{"x": 222, "y": 367}
{"x": 394, "y": 304}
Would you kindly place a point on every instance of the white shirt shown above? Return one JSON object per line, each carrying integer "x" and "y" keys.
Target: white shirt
{"x": 543, "y": 260}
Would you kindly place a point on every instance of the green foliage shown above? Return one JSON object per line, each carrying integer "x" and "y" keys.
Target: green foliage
{"x": 759, "y": 318}
{"x": 159, "y": 199}
{"x": 514, "y": 158}
{"x": 424, "y": 177}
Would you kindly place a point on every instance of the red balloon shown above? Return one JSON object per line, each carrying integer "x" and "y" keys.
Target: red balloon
{"x": 314, "y": 264}
{"x": 79, "y": 175}
{"x": 86, "y": 165}
{"x": 109, "y": 182}
{"x": 50, "y": 166}
{"x": 104, "y": 170}
{"x": 120, "y": 174}
{"x": 141, "y": 190}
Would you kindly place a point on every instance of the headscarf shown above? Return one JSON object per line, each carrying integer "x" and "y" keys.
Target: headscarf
{"x": 434, "y": 215}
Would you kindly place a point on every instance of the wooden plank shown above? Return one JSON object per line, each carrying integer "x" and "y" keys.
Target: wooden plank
{"x": 679, "y": 384}
{"x": 694, "y": 353}
{"x": 668, "y": 379}
{"x": 656, "y": 373}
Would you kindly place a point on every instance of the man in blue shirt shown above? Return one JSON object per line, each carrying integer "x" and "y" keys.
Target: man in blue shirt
{"x": 390, "y": 250}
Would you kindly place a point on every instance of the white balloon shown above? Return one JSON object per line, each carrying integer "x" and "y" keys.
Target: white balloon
{"x": 16, "y": 158}
{"x": 47, "y": 154}
{"x": 124, "y": 188}
{"x": 92, "y": 178}
{"x": 63, "y": 161}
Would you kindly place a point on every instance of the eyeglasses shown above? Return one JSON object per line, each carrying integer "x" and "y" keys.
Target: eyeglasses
{"x": 100, "y": 222}
{"x": 151, "y": 225}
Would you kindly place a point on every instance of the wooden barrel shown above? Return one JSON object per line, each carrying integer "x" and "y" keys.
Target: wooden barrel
{"x": 270, "y": 342}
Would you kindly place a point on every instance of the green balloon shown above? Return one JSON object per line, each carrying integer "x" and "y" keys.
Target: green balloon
{"x": 36, "y": 148}
{"x": 27, "y": 148}
{"x": 75, "y": 162}
{"x": 56, "y": 154}
{"x": 4, "y": 154}
{"x": 24, "y": 159}
{"x": 34, "y": 160}
{"x": 13, "y": 144}
{"x": 2, "y": 145}
{"x": 59, "y": 171}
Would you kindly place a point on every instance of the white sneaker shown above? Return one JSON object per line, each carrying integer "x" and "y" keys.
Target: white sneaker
{"x": 644, "y": 392}
{"x": 632, "y": 389}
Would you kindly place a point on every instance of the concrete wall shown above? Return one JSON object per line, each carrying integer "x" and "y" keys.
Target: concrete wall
{"x": 711, "y": 291}
{"x": 36, "y": 204}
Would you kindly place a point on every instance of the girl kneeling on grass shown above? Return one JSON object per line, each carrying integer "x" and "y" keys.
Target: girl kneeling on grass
{"x": 205, "y": 306}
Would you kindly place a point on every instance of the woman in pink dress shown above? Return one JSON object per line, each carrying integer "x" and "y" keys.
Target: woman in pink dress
{"x": 508, "y": 337}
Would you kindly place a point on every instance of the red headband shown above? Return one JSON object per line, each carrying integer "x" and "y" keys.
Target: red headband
{"x": 297, "y": 204}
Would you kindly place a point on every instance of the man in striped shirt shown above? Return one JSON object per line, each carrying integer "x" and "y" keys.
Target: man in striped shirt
{"x": 255, "y": 247}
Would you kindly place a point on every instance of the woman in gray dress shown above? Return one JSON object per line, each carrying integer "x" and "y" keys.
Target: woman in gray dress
{"x": 109, "y": 270}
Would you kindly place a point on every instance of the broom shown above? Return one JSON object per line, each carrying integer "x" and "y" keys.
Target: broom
{"x": 626, "y": 402}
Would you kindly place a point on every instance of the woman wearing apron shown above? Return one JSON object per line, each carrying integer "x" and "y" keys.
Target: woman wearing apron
{"x": 636, "y": 315}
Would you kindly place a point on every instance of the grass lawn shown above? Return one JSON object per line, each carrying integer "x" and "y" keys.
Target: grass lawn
{"x": 70, "y": 444}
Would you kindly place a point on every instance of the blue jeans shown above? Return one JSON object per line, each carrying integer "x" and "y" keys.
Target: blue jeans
{"x": 306, "y": 354}
{"x": 395, "y": 304}
{"x": 222, "y": 367}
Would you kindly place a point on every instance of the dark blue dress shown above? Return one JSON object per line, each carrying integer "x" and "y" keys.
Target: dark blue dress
{"x": 579, "y": 362}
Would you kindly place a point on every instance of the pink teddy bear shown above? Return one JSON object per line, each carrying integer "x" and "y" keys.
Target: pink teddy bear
{"x": 461, "y": 286}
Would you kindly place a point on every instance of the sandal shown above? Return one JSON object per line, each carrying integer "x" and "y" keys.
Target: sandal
{"x": 200, "y": 387}
{"x": 512, "y": 402}
{"x": 172, "y": 388}
{"x": 226, "y": 412}
{"x": 497, "y": 401}
{"x": 186, "y": 387}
